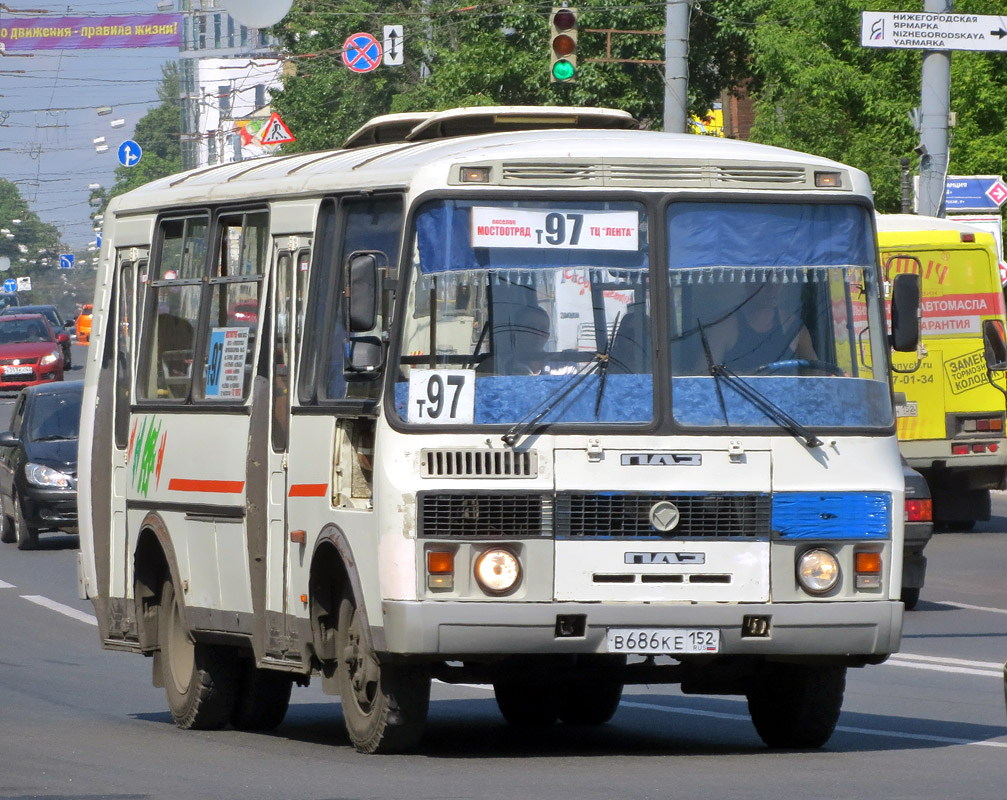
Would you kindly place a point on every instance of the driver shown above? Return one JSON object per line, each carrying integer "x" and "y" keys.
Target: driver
{"x": 765, "y": 329}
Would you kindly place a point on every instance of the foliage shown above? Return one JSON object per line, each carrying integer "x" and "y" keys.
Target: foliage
{"x": 33, "y": 240}
{"x": 821, "y": 92}
{"x": 159, "y": 135}
{"x": 496, "y": 53}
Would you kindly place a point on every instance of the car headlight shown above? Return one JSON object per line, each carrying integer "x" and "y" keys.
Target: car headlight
{"x": 498, "y": 571}
{"x": 52, "y": 358}
{"x": 817, "y": 571}
{"x": 47, "y": 477}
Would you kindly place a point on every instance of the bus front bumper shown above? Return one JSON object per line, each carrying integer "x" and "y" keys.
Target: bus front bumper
{"x": 448, "y": 628}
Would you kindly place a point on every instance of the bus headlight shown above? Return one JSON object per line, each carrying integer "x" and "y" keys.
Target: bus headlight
{"x": 498, "y": 571}
{"x": 817, "y": 571}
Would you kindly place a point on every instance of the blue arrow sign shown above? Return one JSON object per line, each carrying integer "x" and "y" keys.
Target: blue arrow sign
{"x": 10, "y": 286}
{"x": 129, "y": 153}
{"x": 974, "y": 193}
{"x": 66, "y": 261}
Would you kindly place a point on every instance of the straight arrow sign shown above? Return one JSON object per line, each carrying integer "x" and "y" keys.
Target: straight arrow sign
{"x": 394, "y": 51}
{"x": 926, "y": 31}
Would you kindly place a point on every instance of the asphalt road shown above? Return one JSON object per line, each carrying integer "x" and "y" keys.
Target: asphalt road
{"x": 80, "y": 722}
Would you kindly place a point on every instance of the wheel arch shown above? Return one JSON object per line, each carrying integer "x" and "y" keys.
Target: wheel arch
{"x": 153, "y": 561}
{"x": 333, "y": 571}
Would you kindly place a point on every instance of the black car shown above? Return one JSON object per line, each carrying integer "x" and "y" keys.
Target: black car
{"x": 919, "y": 519}
{"x": 38, "y": 463}
{"x": 59, "y": 325}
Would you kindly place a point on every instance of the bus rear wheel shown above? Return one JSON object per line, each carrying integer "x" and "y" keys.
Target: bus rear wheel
{"x": 199, "y": 679}
{"x": 263, "y": 698}
{"x": 384, "y": 705}
{"x": 796, "y": 706}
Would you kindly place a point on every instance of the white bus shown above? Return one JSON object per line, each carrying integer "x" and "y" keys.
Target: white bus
{"x": 557, "y": 410}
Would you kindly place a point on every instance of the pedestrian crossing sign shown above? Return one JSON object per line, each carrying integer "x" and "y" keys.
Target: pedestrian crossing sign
{"x": 276, "y": 132}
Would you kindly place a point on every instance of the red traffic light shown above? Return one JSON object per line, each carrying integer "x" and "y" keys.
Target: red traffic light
{"x": 564, "y": 19}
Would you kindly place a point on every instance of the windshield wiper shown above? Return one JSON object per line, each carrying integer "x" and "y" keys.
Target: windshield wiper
{"x": 533, "y": 417}
{"x": 767, "y": 406}
{"x": 603, "y": 365}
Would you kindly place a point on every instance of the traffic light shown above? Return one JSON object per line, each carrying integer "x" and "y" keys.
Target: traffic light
{"x": 563, "y": 44}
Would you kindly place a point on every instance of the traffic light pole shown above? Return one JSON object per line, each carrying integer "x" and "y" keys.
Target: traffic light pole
{"x": 935, "y": 108}
{"x": 676, "y": 64}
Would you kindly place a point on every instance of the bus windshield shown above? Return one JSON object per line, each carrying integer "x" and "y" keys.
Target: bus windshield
{"x": 518, "y": 304}
{"x": 782, "y": 297}
{"x": 543, "y": 311}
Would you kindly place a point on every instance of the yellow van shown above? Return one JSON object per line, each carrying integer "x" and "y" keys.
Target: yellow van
{"x": 951, "y": 421}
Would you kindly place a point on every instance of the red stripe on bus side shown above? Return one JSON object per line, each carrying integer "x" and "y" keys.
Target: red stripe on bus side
{"x": 308, "y": 490}
{"x": 214, "y": 487}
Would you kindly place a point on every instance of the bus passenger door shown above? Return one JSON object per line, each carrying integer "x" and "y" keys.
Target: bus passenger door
{"x": 291, "y": 263}
{"x": 129, "y": 277}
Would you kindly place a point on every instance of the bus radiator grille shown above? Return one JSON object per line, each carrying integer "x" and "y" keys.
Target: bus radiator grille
{"x": 614, "y": 515}
{"x": 484, "y": 514}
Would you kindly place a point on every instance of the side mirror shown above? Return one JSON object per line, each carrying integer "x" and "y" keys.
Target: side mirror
{"x": 906, "y": 312}
{"x": 361, "y": 311}
{"x": 8, "y": 439}
{"x": 365, "y": 356}
{"x": 994, "y": 346}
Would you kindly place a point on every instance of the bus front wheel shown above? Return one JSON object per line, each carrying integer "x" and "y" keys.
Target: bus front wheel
{"x": 199, "y": 679}
{"x": 796, "y": 706}
{"x": 384, "y": 705}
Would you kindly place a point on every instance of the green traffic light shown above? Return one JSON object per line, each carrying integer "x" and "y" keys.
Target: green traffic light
{"x": 562, "y": 70}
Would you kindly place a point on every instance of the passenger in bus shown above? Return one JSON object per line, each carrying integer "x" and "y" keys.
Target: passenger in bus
{"x": 520, "y": 333}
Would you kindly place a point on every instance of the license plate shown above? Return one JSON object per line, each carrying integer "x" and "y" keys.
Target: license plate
{"x": 663, "y": 641}
{"x": 8, "y": 370}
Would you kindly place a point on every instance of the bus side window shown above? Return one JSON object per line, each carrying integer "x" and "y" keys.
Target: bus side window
{"x": 172, "y": 308}
{"x": 369, "y": 224}
{"x": 234, "y": 285}
{"x": 124, "y": 320}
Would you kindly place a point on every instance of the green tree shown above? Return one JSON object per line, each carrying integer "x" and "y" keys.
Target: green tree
{"x": 159, "y": 135}
{"x": 819, "y": 91}
{"x": 497, "y": 53}
{"x": 32, "y": 246}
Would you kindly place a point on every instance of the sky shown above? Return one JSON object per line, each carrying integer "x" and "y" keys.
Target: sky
{"x": 48, "y": 117}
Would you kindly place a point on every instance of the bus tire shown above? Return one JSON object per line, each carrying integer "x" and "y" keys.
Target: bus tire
{"x": 199, "y": 679}
{"x": 910, "y": 597}
{"x": 527, "y": 705}
{"x": 796, "y": 706}
{"x": 384, "y": 705}
{"x": 25, "y": 535}
{"x": 263, "y": 698}
{"x": 590, "y": 705}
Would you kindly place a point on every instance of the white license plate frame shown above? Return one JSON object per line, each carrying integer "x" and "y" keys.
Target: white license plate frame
{"x": 663, "y": 641}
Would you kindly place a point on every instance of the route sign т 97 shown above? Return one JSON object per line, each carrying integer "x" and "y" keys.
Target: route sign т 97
{"x": 930, "y": 31}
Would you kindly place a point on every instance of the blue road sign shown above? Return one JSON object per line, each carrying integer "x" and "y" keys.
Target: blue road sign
{"x": 129, "y": 153}
{"x": 362, "y": 52}
{"x": 10, "y": 286}
{"x": 66, "y": 261}
{"x": 974, "y": 193}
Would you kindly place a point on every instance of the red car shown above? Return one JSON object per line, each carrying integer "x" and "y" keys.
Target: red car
{"x": 30, "y": 351}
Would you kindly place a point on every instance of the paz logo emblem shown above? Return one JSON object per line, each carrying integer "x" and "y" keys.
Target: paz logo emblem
{"x": 664, "y": 516}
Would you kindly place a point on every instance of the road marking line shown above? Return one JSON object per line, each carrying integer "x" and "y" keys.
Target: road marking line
{"x": 974, "y": 608}
{"x": 922, "y": 737}
{"x": 954, "y": 670}
{"x": 5, "y": 585}
{"x": 995, "y": 665}
{"x": 62, "y": 609}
